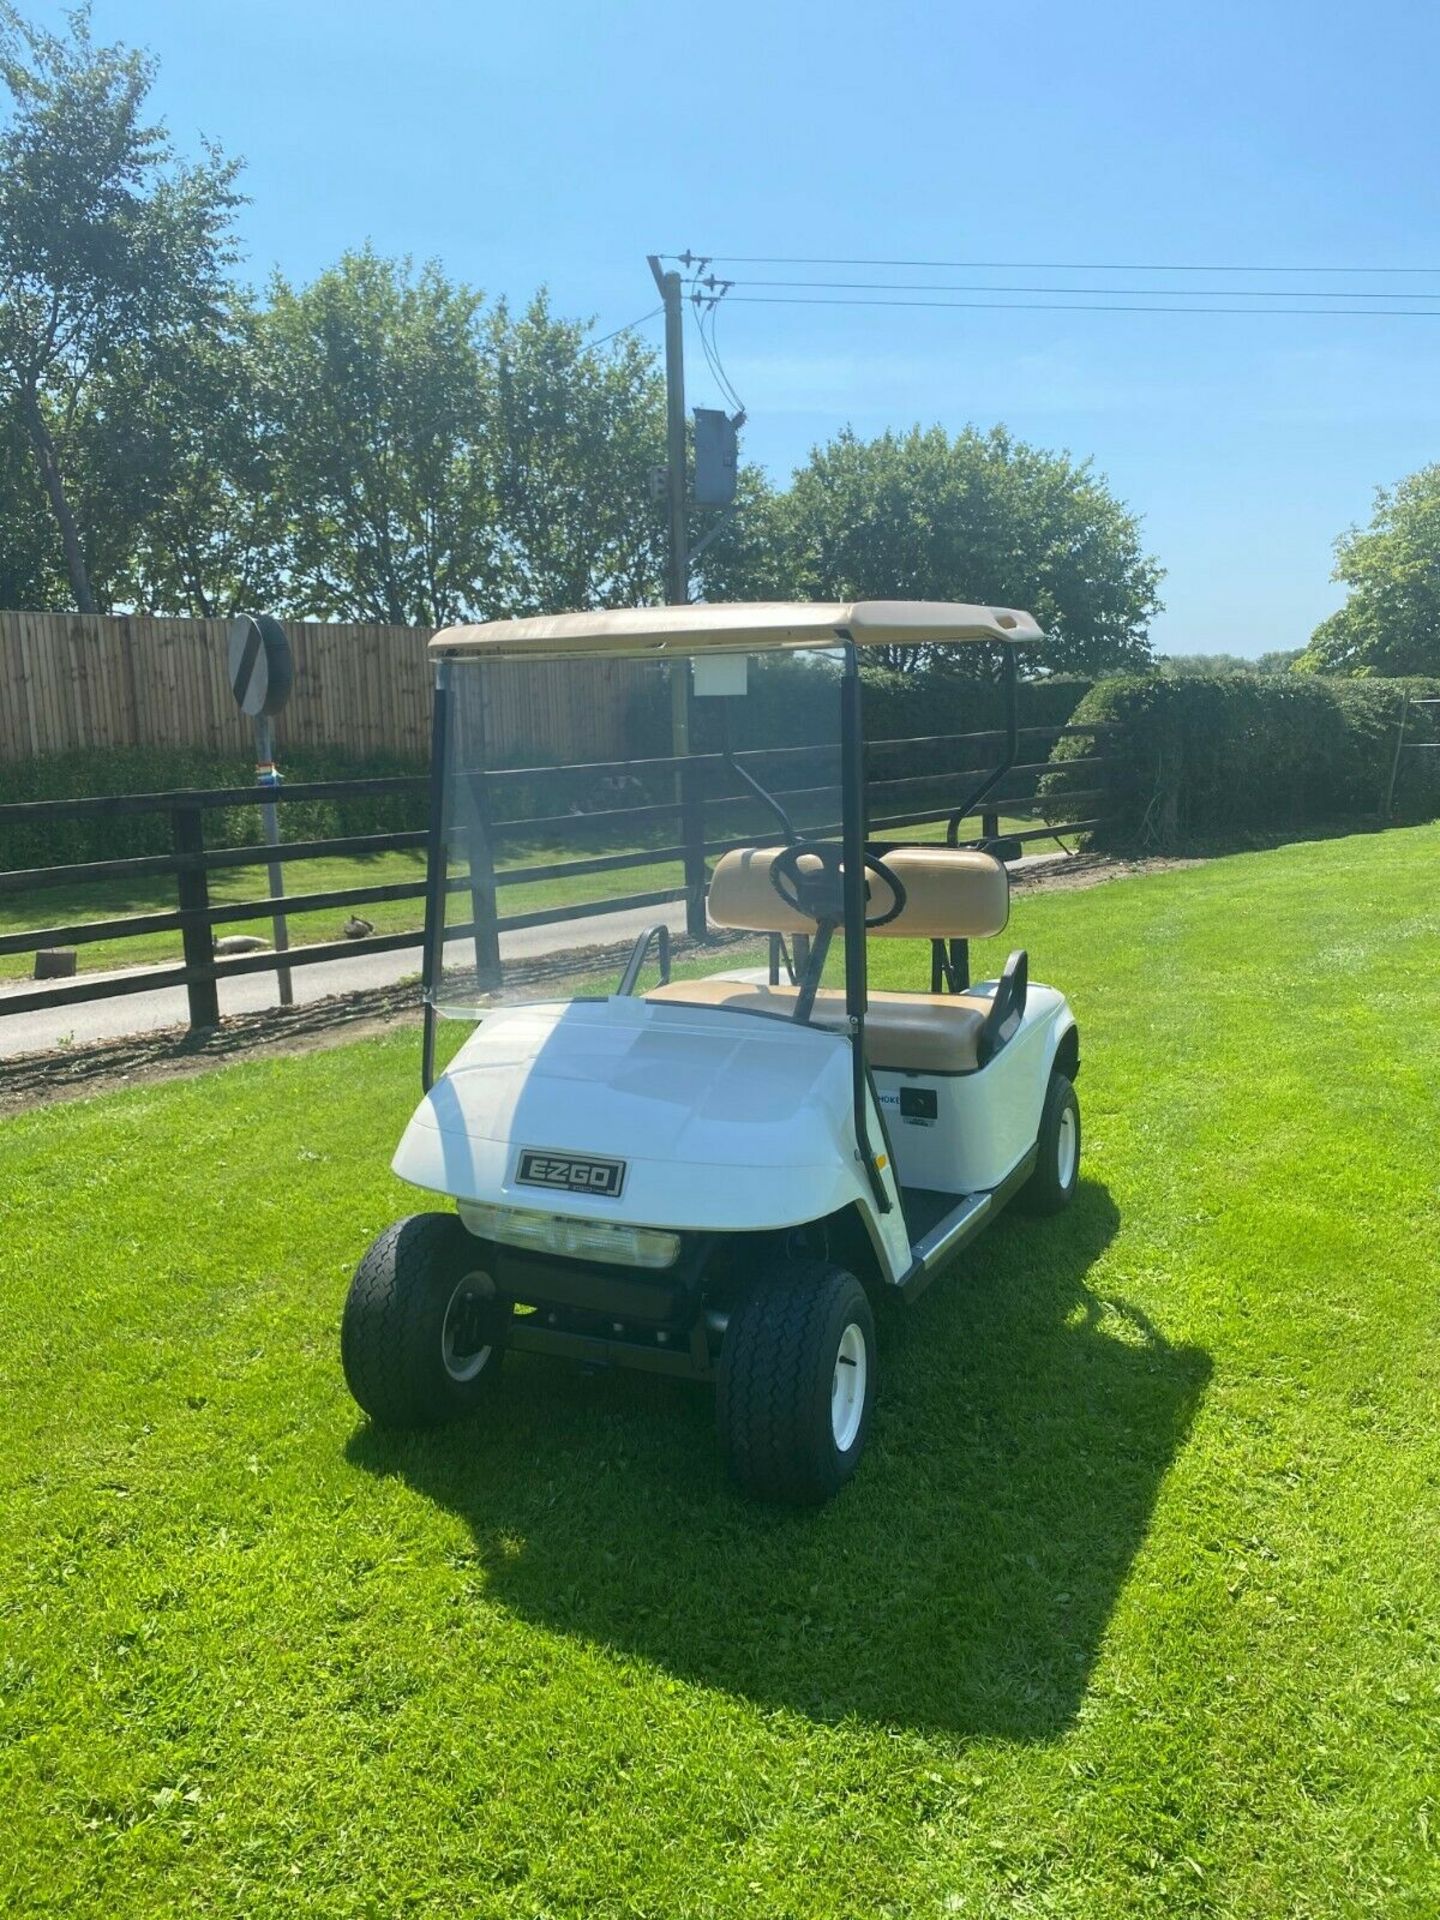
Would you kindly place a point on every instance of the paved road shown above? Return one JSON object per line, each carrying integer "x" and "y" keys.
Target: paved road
{"x": 132, "y": 1013}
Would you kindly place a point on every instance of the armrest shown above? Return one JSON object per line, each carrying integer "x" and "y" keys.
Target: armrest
{"x": 1007, "y": 1009}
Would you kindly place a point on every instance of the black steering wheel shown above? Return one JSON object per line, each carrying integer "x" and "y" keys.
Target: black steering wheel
{"x": 817, "y": 891}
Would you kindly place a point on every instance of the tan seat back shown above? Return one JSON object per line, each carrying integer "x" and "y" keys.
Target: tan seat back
{"x": 742, "y": 895}
{"x": 951, "y": 893}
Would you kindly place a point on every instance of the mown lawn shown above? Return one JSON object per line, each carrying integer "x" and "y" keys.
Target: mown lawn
{"x": 1134, "y": 1608}
{"x": 104, "y": 899}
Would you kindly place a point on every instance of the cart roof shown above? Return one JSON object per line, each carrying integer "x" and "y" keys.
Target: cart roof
{"x": 750, "y": 628}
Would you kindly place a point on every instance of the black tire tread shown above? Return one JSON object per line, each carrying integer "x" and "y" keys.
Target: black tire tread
{"x": 762, "y": 1389}
{"x": 1042, "y": 1193}
{"x": 388, "y": 1336}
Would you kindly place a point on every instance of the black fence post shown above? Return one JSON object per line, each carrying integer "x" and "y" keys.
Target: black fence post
{"x": 692, "y": 837}
{"x": 187, "y": 827}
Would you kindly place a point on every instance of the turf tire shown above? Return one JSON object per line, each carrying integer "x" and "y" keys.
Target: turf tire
{"x": 1049, "y": 1190}
{"x": 393, "y": 1337}
{"x": 773, "y": 1393}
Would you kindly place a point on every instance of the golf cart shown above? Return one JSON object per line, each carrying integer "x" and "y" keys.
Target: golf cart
{"x": 708, "y": 1176}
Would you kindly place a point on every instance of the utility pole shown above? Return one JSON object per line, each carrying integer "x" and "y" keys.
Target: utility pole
{"x": 677, "y": 592}
{"x": 677, "y": 569}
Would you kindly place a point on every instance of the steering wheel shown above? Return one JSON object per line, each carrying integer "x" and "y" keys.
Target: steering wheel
{"x": 818, "y": 891}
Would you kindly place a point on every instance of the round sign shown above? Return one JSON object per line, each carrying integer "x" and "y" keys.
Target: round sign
{"x": 260, "y": 666}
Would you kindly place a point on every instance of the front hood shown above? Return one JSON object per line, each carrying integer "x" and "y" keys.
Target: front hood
{"x": 709, "y": 1110}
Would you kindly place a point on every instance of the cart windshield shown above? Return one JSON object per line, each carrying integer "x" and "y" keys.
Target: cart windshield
{"x": 587, "y": 801}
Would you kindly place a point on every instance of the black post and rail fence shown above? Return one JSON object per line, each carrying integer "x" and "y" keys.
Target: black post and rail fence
{"x": 687, "y": 823}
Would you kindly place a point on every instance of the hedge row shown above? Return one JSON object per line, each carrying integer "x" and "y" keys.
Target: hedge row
{"x": 1212, "y": 758}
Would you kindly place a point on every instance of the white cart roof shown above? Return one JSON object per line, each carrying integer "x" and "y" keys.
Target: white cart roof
{"x": 747, "y": 628}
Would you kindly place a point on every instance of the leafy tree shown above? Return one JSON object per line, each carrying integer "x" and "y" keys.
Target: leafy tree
{"x": 575, "y": 436}
{"x": 1278, "y": 661}
{"x": 1391, "y": 622}
{"x": 373, "y": 386}
{"x": 180, "y": 440}
{"x": 980, "y": 517}
{"x": 30, "y": 574}
{"x": 108, "y": 244}
{"x": 750, "y": 557}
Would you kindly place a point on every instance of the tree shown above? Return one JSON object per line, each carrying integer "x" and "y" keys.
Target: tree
{"x": 576, "y": 434}
{"x": 373, "y": 387}
{"x": 981, "y": 518}
{"x": 1391, "y": 622}
{"x": 30, "y": 572}
{"x": 179, "y": 442}
{"x": 1279, "y": 660}
{"x": 107, "y": 243}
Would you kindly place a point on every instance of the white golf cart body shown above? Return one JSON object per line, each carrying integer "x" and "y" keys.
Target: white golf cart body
{"x": 763, "y": 1139}
{"x": 712, "y": 1175}
{"x": 728, "y": 1123}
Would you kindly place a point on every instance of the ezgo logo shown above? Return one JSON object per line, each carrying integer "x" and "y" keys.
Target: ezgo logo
{"x": 570, "y": 1173}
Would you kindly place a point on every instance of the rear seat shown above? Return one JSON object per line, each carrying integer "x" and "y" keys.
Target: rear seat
{"x": 951, "y": 893}
{"x": 904, "y": 1032}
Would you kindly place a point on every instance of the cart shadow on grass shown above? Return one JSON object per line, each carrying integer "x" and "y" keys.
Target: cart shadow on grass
{"x": 962, "y": 1583}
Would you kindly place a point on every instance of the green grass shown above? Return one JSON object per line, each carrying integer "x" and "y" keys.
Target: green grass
{"x": 99, "y": 900}
{"x": 108, "y": 899}
{"x": 1133, "y": 1610}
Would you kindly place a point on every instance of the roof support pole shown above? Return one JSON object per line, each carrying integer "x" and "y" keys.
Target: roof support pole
{"x": 853, "y": 834}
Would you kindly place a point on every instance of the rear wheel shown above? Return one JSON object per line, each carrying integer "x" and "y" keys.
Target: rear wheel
{"x": 424, "y": 1330}
{"x": 797, "y": 1383}
{"x": 1051, "y": 1187}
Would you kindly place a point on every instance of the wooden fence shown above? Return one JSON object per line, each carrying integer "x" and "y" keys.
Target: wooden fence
{"x": 71, "y": 681}
{"x": 500, "y": 844}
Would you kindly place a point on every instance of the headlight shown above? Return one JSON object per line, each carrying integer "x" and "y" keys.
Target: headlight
{"x": 617, "y": 1246}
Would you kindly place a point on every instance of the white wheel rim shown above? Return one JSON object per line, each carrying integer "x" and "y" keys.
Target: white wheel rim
{"x": 462, "y": 1361}
{"x": 1067, "y": 1147}
{"x": 847, "y": 1389}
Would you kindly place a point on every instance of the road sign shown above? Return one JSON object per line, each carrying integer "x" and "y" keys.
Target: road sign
{"x": 261, "y": 671}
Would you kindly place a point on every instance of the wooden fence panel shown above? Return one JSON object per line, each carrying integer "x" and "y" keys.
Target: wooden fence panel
{"x": 71, "y": 681}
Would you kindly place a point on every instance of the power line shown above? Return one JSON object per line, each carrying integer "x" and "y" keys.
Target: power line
{"x": 1180, "y": 293}
{"x": 716, "y": 364}
{"x": 1052, "y": 306}
{"x": 628, "y": 327}
{"x": 705, "y": 305}
{"x": 1029, "y": 266}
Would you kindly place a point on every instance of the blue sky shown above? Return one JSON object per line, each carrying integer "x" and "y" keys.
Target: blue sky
{"x": 559, "y": 142}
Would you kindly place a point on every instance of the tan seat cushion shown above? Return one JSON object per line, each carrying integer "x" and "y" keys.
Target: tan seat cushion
{"x": 904, "y": 1032}
{"x": 951, "y": 893}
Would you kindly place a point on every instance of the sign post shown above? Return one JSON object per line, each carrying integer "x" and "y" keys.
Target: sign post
{"x": 261, "y": 673}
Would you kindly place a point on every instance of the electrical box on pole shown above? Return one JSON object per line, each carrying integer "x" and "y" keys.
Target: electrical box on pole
{"x": 716, "y": 449}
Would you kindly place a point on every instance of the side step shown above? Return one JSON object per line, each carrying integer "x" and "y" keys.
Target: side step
{"x": 959, "y": 1227}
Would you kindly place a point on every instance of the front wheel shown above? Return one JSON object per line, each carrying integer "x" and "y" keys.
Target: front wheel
{"x": 423, "y": 1330}
{"x": 797, "y": 1383}
{"x": 1051, "y": 1187}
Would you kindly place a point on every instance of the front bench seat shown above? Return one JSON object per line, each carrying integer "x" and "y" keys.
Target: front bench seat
{"x": 951, "y": 893}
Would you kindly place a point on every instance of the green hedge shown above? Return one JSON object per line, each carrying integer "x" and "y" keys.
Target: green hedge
{"x": 782, "y": 711}
{"x": 901, "y": 705}
{"x": 68, "y": 776}
{"x": 1205, "y": 758}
